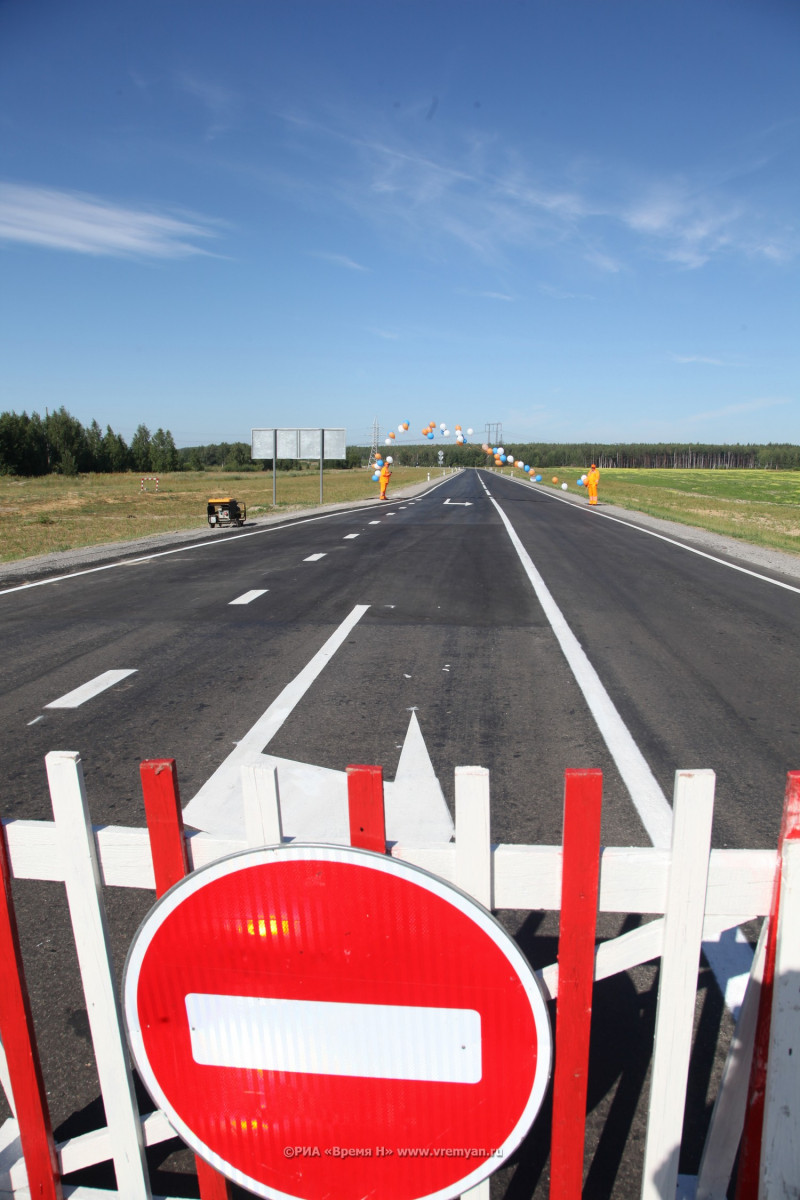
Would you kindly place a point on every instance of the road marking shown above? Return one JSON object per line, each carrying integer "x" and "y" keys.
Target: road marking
{"x": 348, "y": 536}
{"x": 35, "y": 719}
{"x": 223, "y": 791}
{"x": 314, "y": 558}
{"x": 662, "y": 537}
{"x": 460, "y": 503}
{"x": 249, "y": 597}
{"x": 374, "y": 522}
{"x": 314, "y": 1037}
{"x": 650, "y": 802}
{"x": 226, "y": 541}
{"x": 88, "y": 691}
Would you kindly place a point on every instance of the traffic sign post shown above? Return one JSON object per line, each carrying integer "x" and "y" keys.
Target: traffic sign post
{"x": 325, "y": 1021}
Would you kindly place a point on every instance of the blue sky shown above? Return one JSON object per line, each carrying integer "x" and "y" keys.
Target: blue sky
{"x": 579, "y": 220}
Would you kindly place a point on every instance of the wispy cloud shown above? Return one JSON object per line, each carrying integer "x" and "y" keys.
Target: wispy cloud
{"x": 220, "y": 103}
{"x": 494, "y": 198}
{"x": 698, "y": 358}
{"x": 338, "y": 260}
{"x": 732, "y": 409}
{"x": 87, "y": 224}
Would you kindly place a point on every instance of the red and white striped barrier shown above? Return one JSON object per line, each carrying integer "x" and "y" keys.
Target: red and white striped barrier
{"x": 693, "y": 893}
{"x": 149, "y": 479}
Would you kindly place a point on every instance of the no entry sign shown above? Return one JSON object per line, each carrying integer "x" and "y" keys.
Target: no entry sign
{"x": 319, "y": 1021}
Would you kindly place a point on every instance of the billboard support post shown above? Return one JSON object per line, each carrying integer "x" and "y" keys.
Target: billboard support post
{"x": 298, "y": 444}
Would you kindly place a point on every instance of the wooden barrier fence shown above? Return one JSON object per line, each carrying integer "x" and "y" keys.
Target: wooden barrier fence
{"x": 691, "y": 891}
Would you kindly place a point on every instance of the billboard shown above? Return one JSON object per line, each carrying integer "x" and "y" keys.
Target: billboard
{"x": 298, "y": 443}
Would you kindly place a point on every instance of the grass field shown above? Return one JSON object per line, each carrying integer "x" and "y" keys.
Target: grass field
{"x": 38, "y": 516}
{"x": 761, "y": 507}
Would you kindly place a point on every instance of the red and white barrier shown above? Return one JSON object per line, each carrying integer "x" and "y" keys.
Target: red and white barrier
{"x": 149, "y": 479}
{"x": 693, "y": 891}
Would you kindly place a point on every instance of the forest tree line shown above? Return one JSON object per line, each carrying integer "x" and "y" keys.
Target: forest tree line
{"x": 59, "y": 444}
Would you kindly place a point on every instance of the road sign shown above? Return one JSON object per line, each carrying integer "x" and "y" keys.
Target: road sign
{"x": 323, "y": 1021}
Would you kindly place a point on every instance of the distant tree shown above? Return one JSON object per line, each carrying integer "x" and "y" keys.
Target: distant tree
{"x": 23, "y": 445}
{"x": 163, "y": 455}
{"x": 115, "y": 451}
{"x": 140, "y": 449}
{"x": 98, "y": 459}
{"x": 67, "y": 443}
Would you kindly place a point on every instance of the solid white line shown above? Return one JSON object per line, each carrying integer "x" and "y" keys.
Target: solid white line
{"x": 226, "y": 541}
{"x": 224, "y": 786}
{"x": 314, "y": 557}
{"x": 314, "y": 1037}
{"x": 249, "y": 597}
{"x": 662, "y": 537}
{"x": 87, "y": 691}
{"x": 649, "y": 800}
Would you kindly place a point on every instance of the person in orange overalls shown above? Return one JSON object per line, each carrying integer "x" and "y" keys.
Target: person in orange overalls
{"x": 385, "y": 476}
{"x": 592, "y": 480}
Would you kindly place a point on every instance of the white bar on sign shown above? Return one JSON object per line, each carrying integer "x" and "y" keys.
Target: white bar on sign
{"x": 88, "y": 690}
{"x": 248, "y": 597}
{"x": 376, "y": 1041}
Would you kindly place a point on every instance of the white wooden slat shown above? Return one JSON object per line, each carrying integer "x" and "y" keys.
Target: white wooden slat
{"x": 5, "y": 1081}
{"x": 479, "y": 1192}
{"x": 727, "y": 1118}
{"x": 87, "y": 915}
{"x": 780, "y": 1146}
{"x": 262, "y": 806}
{"x": 86, "y": 1149}
{"x": 693, "y": 808}
{"x": 524, "y": 877}
{"x": 473, "y": 834}
{"x": 637, "y": 946}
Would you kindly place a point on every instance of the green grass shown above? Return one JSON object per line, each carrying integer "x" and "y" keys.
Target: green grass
{"x": 760, "y": 507}
{"x": 38, "y": 516}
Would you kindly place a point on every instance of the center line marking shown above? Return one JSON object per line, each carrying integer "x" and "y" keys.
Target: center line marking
{"x": 350, "y": 535}
{"x": 248, "y": 597}
{"x": 88, "y": 691}
{"x": 313, "y": 558}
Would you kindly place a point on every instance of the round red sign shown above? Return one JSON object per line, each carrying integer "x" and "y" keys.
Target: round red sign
{"x": 319, "y": 1021}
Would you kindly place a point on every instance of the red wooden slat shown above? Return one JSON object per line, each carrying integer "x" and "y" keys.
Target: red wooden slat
{"x": 576, "y": 948}
{"x": 750, "y": 1153}
{"x": 365, "y": 803}
{"x": 162, "y": 805}
{"x": 19, "y": 1041}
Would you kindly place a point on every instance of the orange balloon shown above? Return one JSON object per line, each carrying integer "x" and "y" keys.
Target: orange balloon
{"x": 555, "y": 479}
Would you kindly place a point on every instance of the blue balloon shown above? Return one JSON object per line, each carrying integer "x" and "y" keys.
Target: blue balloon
{"x": 538, "y": 479}
{"x": 526, "y": 470}
{"x": 579, "y": 482}
{"x": 430, "y": 436}
{"x": 375, "y": 477}
{"x": 503, "y": 458}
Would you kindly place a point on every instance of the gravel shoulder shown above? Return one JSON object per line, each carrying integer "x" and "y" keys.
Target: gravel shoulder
{"x": 66, "y": 561}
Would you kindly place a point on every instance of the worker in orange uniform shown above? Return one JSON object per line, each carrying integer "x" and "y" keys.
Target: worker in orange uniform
{"x": 592, "y": 480}
{"x": 385, "y": 476}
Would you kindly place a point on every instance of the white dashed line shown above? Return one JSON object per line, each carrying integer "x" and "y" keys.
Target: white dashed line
{"x": 248, "y": 597}
{"x": 91, "y": 689}
{"x": 348, "y": 536}
{"x": 313, "y": 558}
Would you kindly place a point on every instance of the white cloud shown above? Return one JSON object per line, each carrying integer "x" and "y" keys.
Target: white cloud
{"x": 86, "y": 224}
{"x": 732, "y": 409}
{"x": 338, "y": 260}
{"x": 698, "y": 358}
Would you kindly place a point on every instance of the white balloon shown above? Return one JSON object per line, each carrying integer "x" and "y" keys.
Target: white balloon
{"x": 388, "y": 441}
{"x": 500, "y": 450}
{"x": 389, "y": 459}
{"x": 470, "y": 432}
{"x": 564, "y": 487}
{"x": 399, "y": 428}
{"x": 447, "y": 433}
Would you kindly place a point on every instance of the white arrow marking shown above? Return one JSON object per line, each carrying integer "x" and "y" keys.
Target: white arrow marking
{"x": 375, "y": 1041}
{"x": 91, "y": 689}
{"x": 460, "y": 503}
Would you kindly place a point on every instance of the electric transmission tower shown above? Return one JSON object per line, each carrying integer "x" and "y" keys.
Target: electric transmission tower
{"x": 376, "y": 433}
{"x": 494, "y": 434}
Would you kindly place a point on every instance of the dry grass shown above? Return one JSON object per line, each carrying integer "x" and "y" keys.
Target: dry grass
{"x": 38, "y": 516}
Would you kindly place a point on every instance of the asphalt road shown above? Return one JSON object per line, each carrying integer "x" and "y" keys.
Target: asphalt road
{"x": 696, "y": 655}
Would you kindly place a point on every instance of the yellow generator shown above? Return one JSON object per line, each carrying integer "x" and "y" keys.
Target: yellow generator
{"x": 226, "y": 511}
